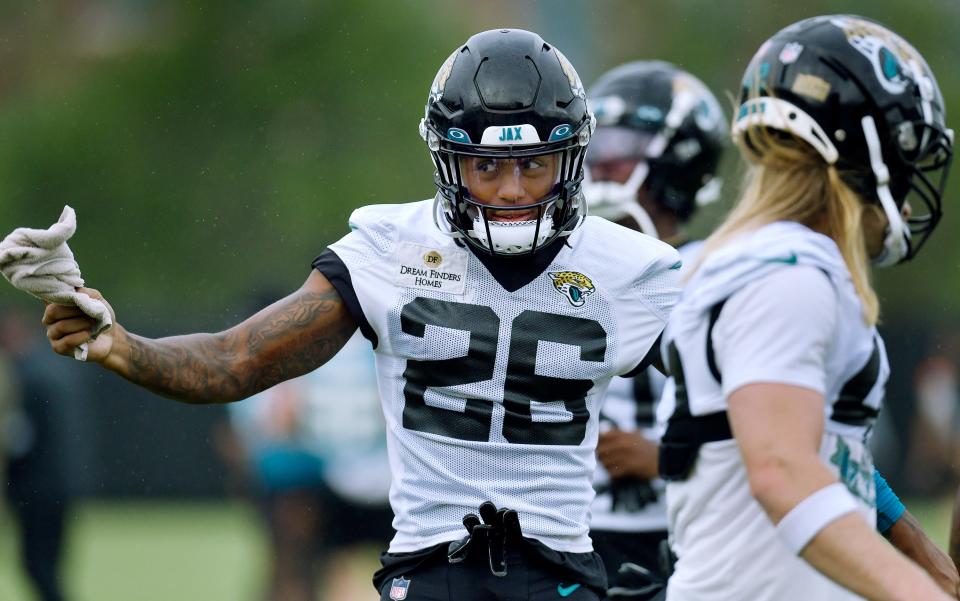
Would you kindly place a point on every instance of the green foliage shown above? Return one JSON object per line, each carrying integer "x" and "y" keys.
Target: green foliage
{"x": 716, "y": 40}
{"x": 222, "y": 147}
{"x": 213, "y": 149}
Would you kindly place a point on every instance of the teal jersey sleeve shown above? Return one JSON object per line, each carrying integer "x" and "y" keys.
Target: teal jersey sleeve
{"x": 889, "y": 507}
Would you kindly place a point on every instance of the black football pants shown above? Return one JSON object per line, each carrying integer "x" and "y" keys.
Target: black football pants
{"x": 472, "y": 580}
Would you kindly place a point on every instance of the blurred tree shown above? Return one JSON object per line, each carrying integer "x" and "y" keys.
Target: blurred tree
{"x": 213, "y": 147}
{"x": 716, "y": 40}
{"x": 209, "y": 145}
{"x": 220, "y": 143}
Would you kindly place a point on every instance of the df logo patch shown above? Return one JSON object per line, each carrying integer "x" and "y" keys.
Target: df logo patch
{"x": 573, "y": 285}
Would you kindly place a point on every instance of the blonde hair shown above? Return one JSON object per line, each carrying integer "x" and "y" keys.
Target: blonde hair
{"x": 787, "y": 180}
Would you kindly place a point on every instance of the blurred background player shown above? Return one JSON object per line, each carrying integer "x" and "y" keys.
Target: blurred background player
{"x": 41, "y": 447}
{"x": 660, "y": 136}
{"x": 933, "y": 449}
{"x": 653, "y": 160}
{"x": 314, "y": 451}
{"x": 9, "y": 396}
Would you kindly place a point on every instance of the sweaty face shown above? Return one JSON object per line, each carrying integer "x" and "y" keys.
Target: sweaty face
{"x": 510, "y": 183}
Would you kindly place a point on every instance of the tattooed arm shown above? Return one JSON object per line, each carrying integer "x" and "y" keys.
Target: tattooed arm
{"x": 289, "y": 338}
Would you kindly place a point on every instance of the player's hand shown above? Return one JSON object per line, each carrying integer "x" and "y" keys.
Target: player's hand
{"x": 497, "y": 528}
{"x": 627, "y": 454}
{"x": 69, "y": 327}
{"x": 636, "y": 583}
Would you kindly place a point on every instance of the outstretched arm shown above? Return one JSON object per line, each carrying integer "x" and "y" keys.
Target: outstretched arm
{"x": 289, "y": 338}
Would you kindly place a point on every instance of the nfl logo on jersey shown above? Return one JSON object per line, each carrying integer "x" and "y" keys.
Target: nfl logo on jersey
{"x": 399, "y": 588}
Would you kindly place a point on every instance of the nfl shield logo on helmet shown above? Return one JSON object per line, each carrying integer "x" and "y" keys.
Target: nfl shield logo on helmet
{"x": 399, "y": 588}
{"x": 790, "y": 53}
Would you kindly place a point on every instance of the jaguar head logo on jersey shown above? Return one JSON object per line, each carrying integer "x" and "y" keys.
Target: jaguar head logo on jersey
{"x": 573, "y": 285}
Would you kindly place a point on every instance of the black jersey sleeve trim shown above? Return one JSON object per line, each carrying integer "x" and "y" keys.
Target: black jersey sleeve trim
{"x": 652, "y": 357}
{"x": 334, "y": 269}
{"x": 711, "y": 356}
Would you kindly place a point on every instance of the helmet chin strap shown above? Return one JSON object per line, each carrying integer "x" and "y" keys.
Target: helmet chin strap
{"x": 612, "y": 200}
{"x": 643, "y": 219}
{"x": 896, "y": 242}
{"x": 439, "y": 214}
{"x": 709, "y": 193}
{"x": 508, "y": 237}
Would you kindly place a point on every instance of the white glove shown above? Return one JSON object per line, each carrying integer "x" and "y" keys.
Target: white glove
{"x": 40, "y": 263}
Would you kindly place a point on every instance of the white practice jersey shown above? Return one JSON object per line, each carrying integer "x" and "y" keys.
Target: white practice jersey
{"x": 490, "y": 393}
{"x": 781, "y": 286}
{"x": 632, "y": 505}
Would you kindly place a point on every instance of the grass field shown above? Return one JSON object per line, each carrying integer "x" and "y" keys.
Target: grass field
{"x": 206, "y": 552}
{"x": 163, "y": 552}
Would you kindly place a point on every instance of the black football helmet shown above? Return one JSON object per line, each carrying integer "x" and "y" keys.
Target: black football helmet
{"x": 866, "y": 100}
{"x": 671, "y": 124}
{"x": 507, "y": 94}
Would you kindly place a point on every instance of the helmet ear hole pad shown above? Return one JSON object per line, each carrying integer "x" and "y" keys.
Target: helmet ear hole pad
{"x": 779, "y": 114}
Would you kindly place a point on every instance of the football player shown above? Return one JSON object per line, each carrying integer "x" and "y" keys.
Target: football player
{"x": 498, "y": 313}
{"x": 652, "y": 161}
{"x": 665, "y": 125}
{"x": 778, "y": 365}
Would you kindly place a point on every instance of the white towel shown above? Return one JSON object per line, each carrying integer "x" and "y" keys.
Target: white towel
{"x": 40, "y": 263}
